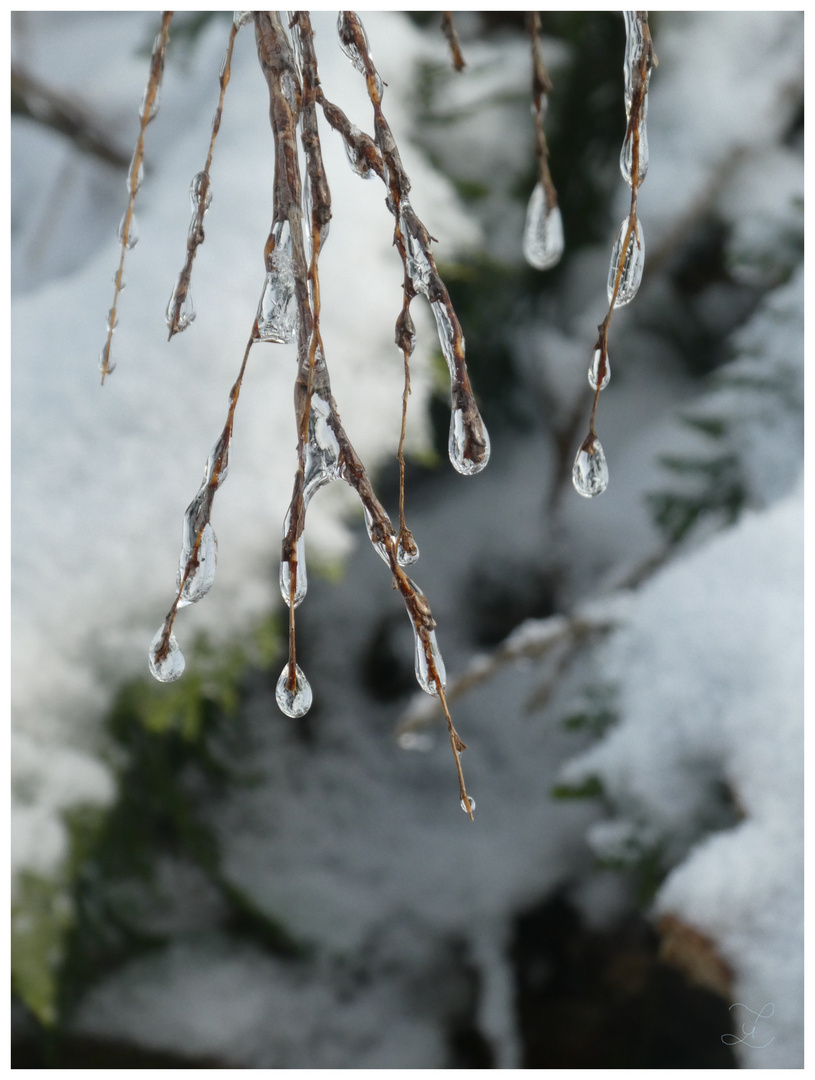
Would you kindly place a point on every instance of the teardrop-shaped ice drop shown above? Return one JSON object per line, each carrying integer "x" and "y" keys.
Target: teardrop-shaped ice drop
{"x": 356, "y": 159}
{"x": 376, "y": 534}
{"x": 594, "y": 371}
{"x": 425, "y": 641}
{"x": 301, "y": 576}
{"x": 200, "y": 191}
{"x": 171, "y": 666}
{"x": 468, "y": 809}
{"x": 149, "y": 105}
{"x": 407, "y": 550}
{"x": 469, "y": 443}
{"x": 135, "y": 176}
{"x": 277, "y": 312}
{"x": 106, "y": 362}
{"x": 543, "y": 233}
{"x": 632, "y": 262}
{"x": 627, "y": 156}
{"x": 186, "y": 313}
{"x": 590, "y": 471}
{"x": 297, "y": 702}
{"x": 132, "y": 231}
{"x": 199, "y": 581}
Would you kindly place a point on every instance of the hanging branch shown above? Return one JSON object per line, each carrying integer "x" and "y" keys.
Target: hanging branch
{"x": 590, "y": 471}
{"x": 468, "y": 445}
{"x": 127, "y": 226}
{"x": 543, "y": 242}
{"x": 180, "y": 310}
{"x": 449, "y": 31}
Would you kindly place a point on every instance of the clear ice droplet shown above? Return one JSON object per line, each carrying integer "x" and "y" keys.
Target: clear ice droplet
{"x": 594, "y": 370}
{"x": 469, "y": 442}
{"x": 171, "y": 666}
{"x": 134, "y": 181}
{"x": 200, "y": 191}
{"x": 543, "y": 233}
{"x": 200, "y": 580}
{"x": 627, "y": 156}
{"x": 154, "y": 104}
{"x": 105, "y": 357}
{"x": 424, "y": 676}
{"x": 633, "y": 263}
{"x": 407, "y": 553}
{"x": 277, "y": 311}
{"x": 590, "y": 471}
{"x": 357, "y": 161}
{"x": 294, "y": 703}
{"x": 186, "y": 314}
{"x": 379, "y": 544}
{"x": 132, "y": 231}
{"x": 468, "y": 809}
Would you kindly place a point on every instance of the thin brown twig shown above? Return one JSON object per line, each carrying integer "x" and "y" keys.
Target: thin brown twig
{"x": 449, "y": 31}
{"x": 201, "y": 199}
{"x": 146, "y": 113}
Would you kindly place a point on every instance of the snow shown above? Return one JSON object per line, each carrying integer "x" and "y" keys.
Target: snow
{"x": 736, "y": 623}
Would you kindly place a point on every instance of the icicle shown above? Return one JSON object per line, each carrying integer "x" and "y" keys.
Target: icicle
{"x": 277, "y": 312}
{"x": 294, "y": 703}
{"x": 322, "y": 449}
{"x": 469, "y": 442}
{"x": 425, "y": 642}
{"x": 171, "y": 666}
{"x": 594, "y": 370}
{"x": 543, "y": 233}
{"x": 632, "y": 265}
{"x": 590, "y": 472}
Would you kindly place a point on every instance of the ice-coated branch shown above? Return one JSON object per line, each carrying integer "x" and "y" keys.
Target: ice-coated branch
{"x": 127, "y": 227}
{"x": 590, "y": 471}
{"x": 469, "y": 444}
{"x": 543, "y": 232}
{"x": 180, "y": 310}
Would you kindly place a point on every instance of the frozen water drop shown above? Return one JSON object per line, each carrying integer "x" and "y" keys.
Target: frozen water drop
{"x": 349, "y": 47}
{"x": 425, "y": 641}
{"x": 148, "y": 103}
{"x": 468, "y": 809}
{"x": 135, "y": 179}
{"x": 106, "y": 362}
{"x": 113, "y": 319}
{"x": 296, "y": 702}
{"x": 301, "y": 576}
{"x": 627, "y": 156}
{"x": 543, "y": 233}
{"x": 376, "y": 534}
{"x": 594, "y": 370}
{"x": 407, "y": 550}
{"x": 590, "y": 471}
{"x": 356, "y": 159}
{"x": 171, "y": 666}
{"x": 277, "y": 311}
{"x": 199, "y": 580}
{"x": 632, "y": 262}
{"x": 200, "y": 191}
{"x": 128, "y": 225}
{"x": 186, "y": 313}
{"x": 469, "y": 442}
